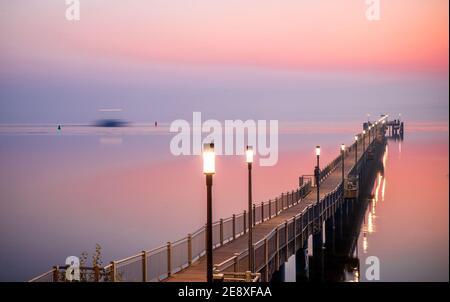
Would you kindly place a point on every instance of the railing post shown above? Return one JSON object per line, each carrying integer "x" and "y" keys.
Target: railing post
{"x": 276, "y": 206}
{"x": 189, "y": 241}
{"x": 295, "y": 234}
{"x": 309, "y": 221}
{"x": 248, "y": 276}
{"x": 144, "y": 266}
{"x": 301, "y": 230}
{"x": 55, "y": 274}
{"x": 287, "y": 200}
{"x": 221, "y": 231}
{"x": 270, "y": 209}
{"x": 218, "y": 277}
{"x": 266, "y": 258}
{"x": 245, "y": 221}
{"x": 169, "y": 259}
{"x": 282, "y": 201}
{"x": 262, "y": 211}
{"x": 287, "y": 240}
{"x": 113, "y": 271}
{"x": 236, "y": 262}
{"x": 234, "y": 226}
{"x": 277, "y": 240}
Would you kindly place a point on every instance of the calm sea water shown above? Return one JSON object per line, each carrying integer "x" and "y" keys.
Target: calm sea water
{"x": 64, "y": 191}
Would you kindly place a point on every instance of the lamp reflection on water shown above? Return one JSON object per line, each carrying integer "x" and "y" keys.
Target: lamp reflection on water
{"x": 385, "y": 156}
{"x": 371, "y": 223}
{"x": 365, "y": 243}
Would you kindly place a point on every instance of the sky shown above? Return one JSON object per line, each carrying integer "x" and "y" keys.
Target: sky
{"x": 291, "y": 60}
{"x": 162, "y": 60}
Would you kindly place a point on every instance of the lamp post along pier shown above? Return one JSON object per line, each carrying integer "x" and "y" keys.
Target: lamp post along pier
{"x": 342, "y": 162}
{"x": 249, "y": 159}
{"x": 317, "y": 173}
{"x": 209, "y": 170}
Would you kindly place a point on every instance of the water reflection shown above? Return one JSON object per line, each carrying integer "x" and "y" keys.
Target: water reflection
{"x": 351, "y": 228}
{"x": 392, "y": 217}
{"x": 123, "y": 193}
{"x": 365, "y": 243}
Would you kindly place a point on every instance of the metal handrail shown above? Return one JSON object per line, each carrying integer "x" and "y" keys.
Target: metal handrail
{"x": 283, "y": 224}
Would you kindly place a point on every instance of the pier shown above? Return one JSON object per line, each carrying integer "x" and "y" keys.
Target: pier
{"x": 282, "y": 227}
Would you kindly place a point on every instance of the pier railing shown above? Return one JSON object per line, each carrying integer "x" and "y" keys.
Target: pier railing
{"x": 284, "y": 240}
{"x": 160, "y": 263}
{"x": 87, "y": 274}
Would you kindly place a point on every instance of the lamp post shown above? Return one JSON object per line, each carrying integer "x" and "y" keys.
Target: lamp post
{"x": 342, "y": 160}
{"x": 375, "y": 131}
{"x": 364, "y": 140}
{"x": 356, "y": 149}
{"x": 249, "y": 160}
{"x": 209, "y": 169}
{"x": 370, "y": 129}
{"x": 317, "y": 172}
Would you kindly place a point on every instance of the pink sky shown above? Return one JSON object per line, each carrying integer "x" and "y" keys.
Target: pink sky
{"x": 411, "y": 35}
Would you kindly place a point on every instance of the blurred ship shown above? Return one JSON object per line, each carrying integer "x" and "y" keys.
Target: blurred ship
{"x": 110, "y": 123}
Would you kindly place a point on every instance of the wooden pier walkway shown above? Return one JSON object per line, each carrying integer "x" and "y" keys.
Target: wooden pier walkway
{"x": 196, "y": 271}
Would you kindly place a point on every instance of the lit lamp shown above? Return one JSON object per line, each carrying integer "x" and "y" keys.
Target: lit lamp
{"x": 209, "y": 168}
{"x": 342, "y": 161}
{"x": 318, "y": 155}
{"x": 317, "y": 172}
{"x": 249, "y": 159}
